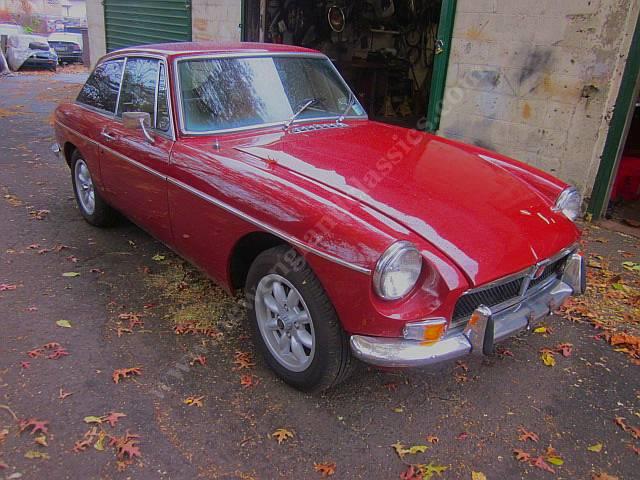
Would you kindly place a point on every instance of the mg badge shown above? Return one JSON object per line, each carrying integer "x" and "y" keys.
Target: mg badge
{"x": 538, "y": 272}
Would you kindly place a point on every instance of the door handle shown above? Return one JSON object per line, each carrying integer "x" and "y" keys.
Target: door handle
{"x": 107, "y": 135}
{"x": 439, "y": 47}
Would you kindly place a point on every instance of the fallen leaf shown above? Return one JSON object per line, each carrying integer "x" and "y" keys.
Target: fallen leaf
{"x": 194, "y": 401}
{"x": 41, "y": 440}
{"x": 633, "y": 448}
{"x": 547, "y": 358}
{"x": 248, "y": 381}
{"x": 478, "y": 476}
{"x": 282, "y": 434}
{"x": 158, "y": 258}
{"x": 402, "y": 450}
{"x": 540, "y": 463}
{"x": 326, "y": 469}
{"x": 631, "y": 266}
{"x": 126, "y": 446}
{"x": 429, "y": 470}
{"x": 595, "y": 448}
{"x": 462, "y": 436}
{"x": 399, "y": 409}
{"x": 99, "y": 445}
{"x": 64, "y": 323}
{"x": 432, "y": 439}
{"x": 521, "y": 455}
{"x": 92, "y": 419}
{"x": 62, "y": 395}
{"x": 71, "y": 274}
{"x": 31, "y": 454}
{"x": 5, "y": 287}
{"x": 243, "y": 360}
{"x": 200, "y": 359}
{"x": 525, "y": 435}
{"x": 541, "y": 330}
{"x": 603, "y": 476}
{"x": 125, "y": 373}
{"x": 25, "y": 364}
{"x": 35, "y": 425}
{"x": 564, "y": 349}
{"x": 112, "y": 418}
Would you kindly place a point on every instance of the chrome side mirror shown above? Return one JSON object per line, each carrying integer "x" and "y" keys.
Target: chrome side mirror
{"x": 138, "y": 120}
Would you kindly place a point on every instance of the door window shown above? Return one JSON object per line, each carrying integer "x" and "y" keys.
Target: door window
{"x": 101, "y": 89}
{"x": 139, "y": 86}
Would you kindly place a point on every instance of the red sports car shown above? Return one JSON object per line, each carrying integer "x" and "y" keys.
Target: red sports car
{"x": 351, "y": 238}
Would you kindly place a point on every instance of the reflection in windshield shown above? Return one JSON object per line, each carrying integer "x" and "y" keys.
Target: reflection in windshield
{"x": 225, "y": 93}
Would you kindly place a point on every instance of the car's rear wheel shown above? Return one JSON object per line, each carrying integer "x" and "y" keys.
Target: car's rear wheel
{"x": 92, "y": 207}
{"x": 295, "y": 325}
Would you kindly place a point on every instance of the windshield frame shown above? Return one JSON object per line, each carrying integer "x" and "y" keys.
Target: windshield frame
{"x": 210, "y": 56}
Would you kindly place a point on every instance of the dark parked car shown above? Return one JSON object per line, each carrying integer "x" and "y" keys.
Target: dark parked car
{"x": 68, "y": 46}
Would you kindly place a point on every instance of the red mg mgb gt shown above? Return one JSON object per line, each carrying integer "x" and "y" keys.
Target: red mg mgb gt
{"x": 351, "y": 238}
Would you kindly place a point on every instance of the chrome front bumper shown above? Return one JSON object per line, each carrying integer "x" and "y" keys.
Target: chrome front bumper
{"x": 481, "y": 333}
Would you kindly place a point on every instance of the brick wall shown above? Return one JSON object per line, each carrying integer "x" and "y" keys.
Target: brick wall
{"x": 216, "y": 20}
{"x": 537, "y": 79}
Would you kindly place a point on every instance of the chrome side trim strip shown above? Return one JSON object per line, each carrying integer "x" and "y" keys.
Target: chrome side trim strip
{"x": 264, "y": 226}
{"x": 225, "y": 206}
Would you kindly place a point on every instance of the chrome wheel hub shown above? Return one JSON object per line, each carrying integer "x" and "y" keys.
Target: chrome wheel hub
{"x": 84, "y": 187}
{"x": 285, "y": 322}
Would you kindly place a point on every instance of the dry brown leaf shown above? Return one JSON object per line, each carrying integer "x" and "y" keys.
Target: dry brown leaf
{"x": 326, "y": 469}
{"x": 282, "y": 434}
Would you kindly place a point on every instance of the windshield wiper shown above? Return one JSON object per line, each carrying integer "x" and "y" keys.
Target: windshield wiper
{"x": 305, "y": 105}
{"x": 352, "y": 102}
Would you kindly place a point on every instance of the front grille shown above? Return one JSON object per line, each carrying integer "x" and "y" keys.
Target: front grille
{"x": 501, "y": 293}
{"x": 489, "y": 297}
{"x": 553, "y": 269}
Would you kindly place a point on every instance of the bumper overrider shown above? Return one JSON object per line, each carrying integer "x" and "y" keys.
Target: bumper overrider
{"x": 484, "y": 328}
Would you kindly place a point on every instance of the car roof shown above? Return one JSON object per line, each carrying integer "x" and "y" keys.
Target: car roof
{"x": 199, "y": 48}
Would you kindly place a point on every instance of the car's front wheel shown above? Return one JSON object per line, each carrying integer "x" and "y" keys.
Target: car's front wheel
{"x": 295, "y": 325}
{"x": 93, "y": 208}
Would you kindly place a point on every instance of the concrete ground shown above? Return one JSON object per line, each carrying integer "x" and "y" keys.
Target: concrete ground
{"x": 474, "y": 408}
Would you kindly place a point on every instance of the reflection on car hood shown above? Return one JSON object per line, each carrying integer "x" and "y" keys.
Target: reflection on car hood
{"x": 485, "y": 219}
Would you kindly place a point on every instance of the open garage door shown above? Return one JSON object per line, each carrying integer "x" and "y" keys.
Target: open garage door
{"x": 138, "y": 22}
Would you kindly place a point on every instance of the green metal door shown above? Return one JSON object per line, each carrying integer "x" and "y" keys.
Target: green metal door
{"x": 136, "y": 22}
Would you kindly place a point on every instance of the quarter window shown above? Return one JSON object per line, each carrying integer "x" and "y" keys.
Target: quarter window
{"x": 162, "y": 112}
{"x": 101, "y": 89}
{"x": 138, "y": 92}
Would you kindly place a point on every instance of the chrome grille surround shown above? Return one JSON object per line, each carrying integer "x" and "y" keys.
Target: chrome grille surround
{"x": 509, "y": 290}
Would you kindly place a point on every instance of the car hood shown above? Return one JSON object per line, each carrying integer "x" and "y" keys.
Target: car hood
{"x": 485, "y": 219}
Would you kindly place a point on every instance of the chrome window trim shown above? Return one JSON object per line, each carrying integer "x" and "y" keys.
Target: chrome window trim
{"x": 155, "y": 98}
{"x": 102, "y": 110}
{"x": 225, "y": 206}
{"x": 171, "y": 134}
{"x": 178, "y": 90}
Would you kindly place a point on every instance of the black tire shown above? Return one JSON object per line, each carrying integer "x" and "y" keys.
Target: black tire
{"x": 332, "y": 362}
{"x": 103, "y": 215}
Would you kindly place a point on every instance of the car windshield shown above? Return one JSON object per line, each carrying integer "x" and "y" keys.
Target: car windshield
{"x": 228, "y": 93}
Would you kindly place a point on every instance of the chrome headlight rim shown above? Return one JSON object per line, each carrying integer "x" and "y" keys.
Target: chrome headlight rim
{"x": 569, "y": 194}
{"x": 387, "y": 259}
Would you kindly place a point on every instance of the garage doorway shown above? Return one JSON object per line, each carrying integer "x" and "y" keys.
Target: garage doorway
{"x": 616, "y": 191}
{"x": 393, "y": 53}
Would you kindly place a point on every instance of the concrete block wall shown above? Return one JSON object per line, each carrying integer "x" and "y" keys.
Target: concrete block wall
{"x": 217, "y": 20}
{"x": 537, "y": 79}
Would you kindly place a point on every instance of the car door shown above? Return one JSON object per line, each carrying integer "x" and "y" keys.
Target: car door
{"x": 133, "y": 166}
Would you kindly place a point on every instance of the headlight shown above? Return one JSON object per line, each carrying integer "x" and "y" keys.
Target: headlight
{"x": 569, "y": 203}
{"x": 397, "y": 271}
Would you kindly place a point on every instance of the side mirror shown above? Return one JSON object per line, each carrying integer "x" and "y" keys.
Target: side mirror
{"x": 138, "y": 120}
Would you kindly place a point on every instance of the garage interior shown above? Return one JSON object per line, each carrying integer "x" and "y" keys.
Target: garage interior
{"x": 385, "y": 49}
{"x": 624, "y": 204}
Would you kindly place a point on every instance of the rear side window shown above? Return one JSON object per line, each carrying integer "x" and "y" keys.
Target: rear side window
{"x": 139, "y": 86}
{"x": 163, "y": 122}
{"x": 101, "y": 89}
